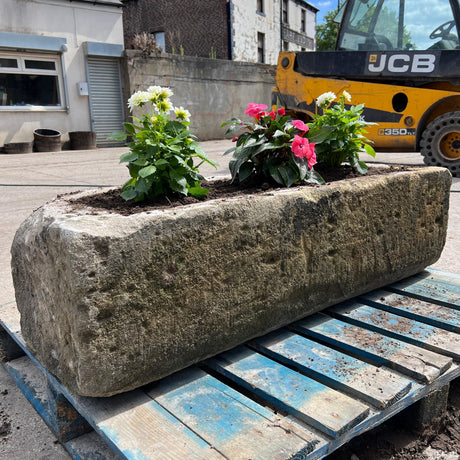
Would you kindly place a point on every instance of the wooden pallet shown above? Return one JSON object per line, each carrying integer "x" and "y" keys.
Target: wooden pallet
{"x": 300, "y": 392}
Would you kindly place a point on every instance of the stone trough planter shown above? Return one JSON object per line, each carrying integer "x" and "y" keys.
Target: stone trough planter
{"x": 109, "y": 303}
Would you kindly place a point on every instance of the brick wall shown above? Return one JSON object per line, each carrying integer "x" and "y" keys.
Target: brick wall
{"x": 199, "y": 26}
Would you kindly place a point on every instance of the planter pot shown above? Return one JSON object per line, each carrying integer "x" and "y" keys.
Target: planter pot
{"x": 109, "y": 302}
{"x": 82, "y": 140}
{"x": 18, "y": 147}
{"x": 47, "y": 140}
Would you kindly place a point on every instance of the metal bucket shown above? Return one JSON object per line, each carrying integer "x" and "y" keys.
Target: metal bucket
{"x": 82, "y": 140}
{"x": 18, "y": 147}
{"x": 47, "y": 140}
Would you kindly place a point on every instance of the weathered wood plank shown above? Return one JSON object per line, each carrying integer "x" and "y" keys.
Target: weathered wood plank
{"x": 322, "y": 407}
{"x": 431, "y": 286}
{"x": 400, "y": 328}
{"x": 412, "y": 308}
{"x": 408, "y": 359}
{"x": 234, "y": 424}
{"x": 376, "y": 385}
{"x": 89, "y": 447}
{"x": 133, "y": 425}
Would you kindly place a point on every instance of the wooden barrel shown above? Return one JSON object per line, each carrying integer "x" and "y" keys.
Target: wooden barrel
{"x": 82, "y": 140}
{"x": 47, "y": 140}
{"x": 18, "y": 147}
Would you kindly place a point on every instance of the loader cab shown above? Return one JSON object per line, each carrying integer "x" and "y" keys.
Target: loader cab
{"x": 397, "y": 25}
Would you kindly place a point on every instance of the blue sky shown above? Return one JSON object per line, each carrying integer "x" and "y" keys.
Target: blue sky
{"x": 324, "y": 7}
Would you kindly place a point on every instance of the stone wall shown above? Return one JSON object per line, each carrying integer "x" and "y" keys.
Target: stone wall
{"x": 212, "y": 90}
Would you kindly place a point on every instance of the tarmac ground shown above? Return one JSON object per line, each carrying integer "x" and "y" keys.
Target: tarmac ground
{"x": 29, "y": 180}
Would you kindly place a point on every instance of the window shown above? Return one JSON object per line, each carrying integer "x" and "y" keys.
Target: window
{"x": 160, "y": 39}
{"x": 260, "y": 6}
{"x": 260, "y": 47}
{"x": 30, "y": 80}
{"x": 303, "y": 21}
{"x": 285, "y": 11}
{"x": 285, "y": 46}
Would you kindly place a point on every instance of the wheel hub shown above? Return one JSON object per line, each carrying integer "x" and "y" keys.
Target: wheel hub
{"x": 450, "y": 146}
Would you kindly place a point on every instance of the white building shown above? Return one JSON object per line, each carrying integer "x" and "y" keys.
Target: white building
{"x": 59, "y": 67}
{"x": 260, "y": 29}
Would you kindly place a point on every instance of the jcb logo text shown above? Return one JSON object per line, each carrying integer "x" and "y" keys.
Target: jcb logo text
{"x": 402, "y": 63}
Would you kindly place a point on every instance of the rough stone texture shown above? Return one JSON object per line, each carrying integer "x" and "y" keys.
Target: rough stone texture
{"x": 109, "y": 303}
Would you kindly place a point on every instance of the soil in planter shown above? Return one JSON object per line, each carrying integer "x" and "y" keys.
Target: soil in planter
{"x": 111, "y": 200}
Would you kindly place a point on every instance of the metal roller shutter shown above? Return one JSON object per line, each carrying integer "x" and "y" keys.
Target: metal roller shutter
{"x": 105, "y": 97}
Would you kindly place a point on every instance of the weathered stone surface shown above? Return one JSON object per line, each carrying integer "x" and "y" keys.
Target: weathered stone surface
{"x": 109, "y": 303}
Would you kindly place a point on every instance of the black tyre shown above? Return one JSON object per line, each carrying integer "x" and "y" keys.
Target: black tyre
{"x": 440, "y": 143}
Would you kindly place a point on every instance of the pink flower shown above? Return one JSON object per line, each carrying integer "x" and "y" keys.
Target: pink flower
{"x": 301, "y": 126}
{"x": 235, "y": 139}
{"x": 303, "y": 149}
{"x": 281, "y": 111}
{"x": 254, "y": 109}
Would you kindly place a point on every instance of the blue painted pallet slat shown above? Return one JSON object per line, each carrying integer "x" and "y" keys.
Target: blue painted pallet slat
{"x": 33, "y": 384}
{"x": 134, "y": 426}
{"x": 321, "y": 407}
{"x": 228, "y": 420}
{"x": 431, "y": 286}
{"x": 375, "y": 385}
{"x": 193, "y": 414}
{"x": 398, "y": 327}
{"x": 419, "y": 310}
{"x": 379, "y": 349}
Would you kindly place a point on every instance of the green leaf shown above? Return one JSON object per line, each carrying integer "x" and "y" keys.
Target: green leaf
{"x": 314, "y": 178}
{"x": 161, "y": 162}
{"x": 245, "y": 171}
{"x": 233, "y": 129}
{"x": 118, "y": 136}
{"x": 288, "y": 174}
{"x": 128, "y": 157}
{"x": 229, "y": 150}
{"x": 130, "y": 128}
{"x": 275, "y": 174}
{"x": 198, "y": 191}
{"x": 147, "y": 171}
{"x": 369, "y": 150}
{"x": 362, "y": 167}
{"x": 129, "y": 194}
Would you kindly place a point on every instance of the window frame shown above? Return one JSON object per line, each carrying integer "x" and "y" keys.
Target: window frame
{"x": 303, "y": 20}
{"x": 21, "y": 69}
{"x": 260, "y": 7}
{"x": 260, "y": 48}
{"x": 285, "y": 11}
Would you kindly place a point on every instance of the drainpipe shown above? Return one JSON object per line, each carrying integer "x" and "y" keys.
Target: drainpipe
{"x": 63, "y": 50}
{"x": 230, "y": 29}
{"x": 281, "y": 25}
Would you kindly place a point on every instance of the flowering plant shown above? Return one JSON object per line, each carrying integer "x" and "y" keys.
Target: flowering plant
{"x": 273, "y": 147}
{"x": 345, "y": 139}
{"x": 162, "y": 151}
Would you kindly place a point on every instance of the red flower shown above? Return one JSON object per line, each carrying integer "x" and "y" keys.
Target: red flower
{"x": 235, "y": 139}
{"x": 272, "y": 115}
{"x": 303, "y": 149}
{"x": 281, "y": 111}
{"x": 254, "y": 109}
{"x": 301, "y": 126}
{"x": 260, "y": 115}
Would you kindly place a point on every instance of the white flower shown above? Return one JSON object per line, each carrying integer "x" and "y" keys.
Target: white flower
{"x": 163, "y": 106}
{"x": 138, "y": 99}
{"x": 325, "y": 99}
{"x": 182, "y": 114}
{"x": 154, "y": 89}
{"x": 346, "y": 95}
{"x": 164, "y": 94}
